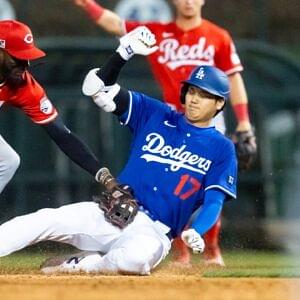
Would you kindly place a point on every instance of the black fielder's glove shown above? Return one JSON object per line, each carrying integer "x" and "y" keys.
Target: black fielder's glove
{"x": 118, "y": 205}
{"x": 246, "y": 148}
{"x": 117, "y": 202}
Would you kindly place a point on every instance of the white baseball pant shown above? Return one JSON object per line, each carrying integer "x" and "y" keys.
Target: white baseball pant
{"x": 9, "y": 163}
{"x": 136, "y": 249}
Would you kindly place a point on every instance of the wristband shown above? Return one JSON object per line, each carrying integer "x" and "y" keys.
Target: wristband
{"x": 125, "y": 52}
{"x": 94, "y": 10}
{"x": 241, "y": 112}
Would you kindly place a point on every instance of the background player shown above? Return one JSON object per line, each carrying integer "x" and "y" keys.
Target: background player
{"x": 172, "y": 170}
{"x": 187, "y": 41}
{"x": 20, "y": 89}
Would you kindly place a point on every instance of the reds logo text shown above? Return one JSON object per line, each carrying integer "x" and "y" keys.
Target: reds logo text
{"x": 175, "y": 55}
{"x": 177, "y": 158}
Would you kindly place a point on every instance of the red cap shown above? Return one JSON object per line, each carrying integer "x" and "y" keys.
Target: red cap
{"x": 17, "y": 40}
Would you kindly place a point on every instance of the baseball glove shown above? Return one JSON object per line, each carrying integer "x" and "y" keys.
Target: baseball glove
{"x": 118, "y": 205}
{"x": 246, "y": 148}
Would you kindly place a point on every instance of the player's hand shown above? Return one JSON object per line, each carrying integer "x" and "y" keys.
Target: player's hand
{"x": 105, "y": 99}
{"x": 138, "y": 41}
{"x": 117, "y": 202}
{"x": 246, "y": 148}
{"x": 193, "y": 240}
{"x": 102, "y": 95}
{"x": 92, "y": 84}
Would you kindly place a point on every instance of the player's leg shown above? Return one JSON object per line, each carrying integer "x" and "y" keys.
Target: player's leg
{"x": 9, "y": 162}
{"x": 133, "y": 255}
{"x": 180, "y": 252}
{"x": 85, "y": 261}
{"x": 141, "y": 246}
{"x": 81, "y": 225}
{"x": 212, "y": 252}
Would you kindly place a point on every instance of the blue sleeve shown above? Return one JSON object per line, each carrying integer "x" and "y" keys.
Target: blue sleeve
{"x": 211, "y": 209}
{"x": 141, "y": 108}
{"x": 223, "y": 173}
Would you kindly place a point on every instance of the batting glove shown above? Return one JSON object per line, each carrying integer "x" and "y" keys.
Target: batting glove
{"x": 138, "y": 41}
{"x": 92, "y": 84}
{"x": 105, "y": 99}
{"x": 193, "y": 240}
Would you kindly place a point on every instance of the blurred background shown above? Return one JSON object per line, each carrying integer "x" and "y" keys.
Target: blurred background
{"x": 267, "y": 36}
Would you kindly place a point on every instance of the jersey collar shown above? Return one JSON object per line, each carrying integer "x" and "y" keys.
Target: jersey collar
{"x": 185, "y": 125}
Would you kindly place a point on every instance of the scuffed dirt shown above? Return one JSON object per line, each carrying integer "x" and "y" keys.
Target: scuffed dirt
{"x": 161, "y": 285}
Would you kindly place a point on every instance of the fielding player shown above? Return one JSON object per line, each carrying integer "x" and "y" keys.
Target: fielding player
{"x": 178, "y": 163}
{"x": 184, "y": 43}
{"x": 20, "y": 89}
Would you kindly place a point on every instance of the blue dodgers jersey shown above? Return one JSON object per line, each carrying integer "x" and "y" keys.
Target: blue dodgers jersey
{"x": 172, "y": 163}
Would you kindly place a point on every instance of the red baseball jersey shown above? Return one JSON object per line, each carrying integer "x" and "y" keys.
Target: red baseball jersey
{"x": 31, "y": 98}
{"x": 180, "y": 51}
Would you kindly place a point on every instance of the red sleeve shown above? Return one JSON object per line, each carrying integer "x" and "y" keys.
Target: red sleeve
{"x": 33, "y": 100}
{"x": 226, "y": 57}
{"x": 130, "y": 25}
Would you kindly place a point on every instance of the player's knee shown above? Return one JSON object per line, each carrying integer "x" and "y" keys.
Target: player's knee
{"x": 11, "y": 163}
{"x": 129, "y": 263}
{"x": 139, "y": 259}
{"x": 15, "y": 162}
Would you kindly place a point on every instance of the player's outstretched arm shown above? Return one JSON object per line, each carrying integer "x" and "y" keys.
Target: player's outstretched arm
{"x": 211, "y": 209}
{"x": 105, "y": 18}
{"x": 101, "y": 85}
{"x": 72, "y": 146}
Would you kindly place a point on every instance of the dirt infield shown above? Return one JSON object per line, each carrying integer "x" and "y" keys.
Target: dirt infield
{"x": 151, "y": 287}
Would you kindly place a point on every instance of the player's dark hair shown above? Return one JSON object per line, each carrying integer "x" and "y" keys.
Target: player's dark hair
{"x": 219, "y": 110}
{"x": 1, "y": 66}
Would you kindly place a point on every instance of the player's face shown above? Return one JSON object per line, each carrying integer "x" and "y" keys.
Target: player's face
{"x": 188, "y": 8}
{"x": 200, "y": 106}
{"x": 12, "y": 69}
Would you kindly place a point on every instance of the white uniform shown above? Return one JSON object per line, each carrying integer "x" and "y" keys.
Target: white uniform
{"x": 9, "y": 163}
{"x": 136, "y": 249}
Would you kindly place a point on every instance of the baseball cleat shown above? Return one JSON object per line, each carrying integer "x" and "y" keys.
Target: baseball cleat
{"x": 77, "y": 262}
{"x": 217, "y": 261}
{"x": 214, "y": 258}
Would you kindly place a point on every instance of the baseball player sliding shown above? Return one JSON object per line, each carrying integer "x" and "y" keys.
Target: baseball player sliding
{"x": 188, "y": 41}
{"x": 178, "y": 163}
{"x": 20, "y": 89}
